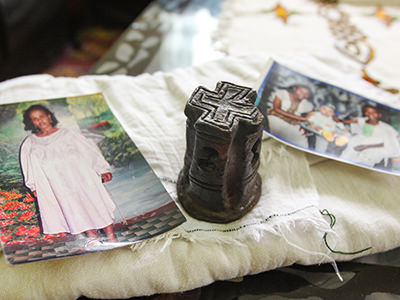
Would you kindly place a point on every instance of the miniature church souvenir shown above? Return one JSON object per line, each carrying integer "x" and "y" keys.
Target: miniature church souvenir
{"x": 219, "y": 181}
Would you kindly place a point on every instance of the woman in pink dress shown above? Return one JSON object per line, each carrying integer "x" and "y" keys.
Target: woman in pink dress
{"x": 64, "y": 170}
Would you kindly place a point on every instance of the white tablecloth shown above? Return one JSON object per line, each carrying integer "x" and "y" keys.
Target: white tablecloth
{"x": 285, "y": 227}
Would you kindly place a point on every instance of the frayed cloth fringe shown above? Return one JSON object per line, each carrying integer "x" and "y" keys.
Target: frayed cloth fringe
{"x": 239, "y": 234}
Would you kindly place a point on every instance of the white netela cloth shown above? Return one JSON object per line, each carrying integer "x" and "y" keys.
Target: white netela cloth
{"x": 285, "y": 227}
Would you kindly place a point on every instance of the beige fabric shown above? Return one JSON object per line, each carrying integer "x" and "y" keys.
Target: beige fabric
{"x": 285, "y": 227}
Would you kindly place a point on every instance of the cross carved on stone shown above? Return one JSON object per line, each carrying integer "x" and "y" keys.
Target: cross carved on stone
{"x": 225, "y": 104}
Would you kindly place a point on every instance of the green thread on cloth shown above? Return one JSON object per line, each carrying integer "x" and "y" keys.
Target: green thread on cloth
{"x": 325, "y": 212}
{"x": 249, "y": 224}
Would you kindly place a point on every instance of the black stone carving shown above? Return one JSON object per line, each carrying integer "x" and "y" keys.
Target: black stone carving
{"x": 219, "y": 181}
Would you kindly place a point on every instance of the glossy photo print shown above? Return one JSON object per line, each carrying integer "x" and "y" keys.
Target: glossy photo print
{"x": 73, "y": 182}
{"x": 326, "y": 120}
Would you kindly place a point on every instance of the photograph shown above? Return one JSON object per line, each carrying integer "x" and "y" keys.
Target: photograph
{"x": 314, "y": 116}
{"x": 73, "y": 182}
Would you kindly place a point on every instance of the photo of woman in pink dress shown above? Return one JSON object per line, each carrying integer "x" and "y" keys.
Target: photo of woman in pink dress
{"x": 65, "y": 170}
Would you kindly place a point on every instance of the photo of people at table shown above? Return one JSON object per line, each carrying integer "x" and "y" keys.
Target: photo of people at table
{"x": 323, "y": 119}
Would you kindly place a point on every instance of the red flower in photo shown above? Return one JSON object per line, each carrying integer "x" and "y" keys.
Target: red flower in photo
{"x": 7, "y": 206}
{"x": 27, "y": 215}
{"x": 24, "y": 218}
{"x": 34, "y": 231}
{"x": 29, "y": 198}
{"x": 22, "y": 230}
{"x": 16, "y": 195}
{"x": 8, "y": 222}
{"x": 11, "y": 205}
{"x": 25, "y": 206}
{"x": 6, "y": 238}
{"x": 8, "y": 216}
{"x": 12, "y": 215}
{"x": 12, "y": 195}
